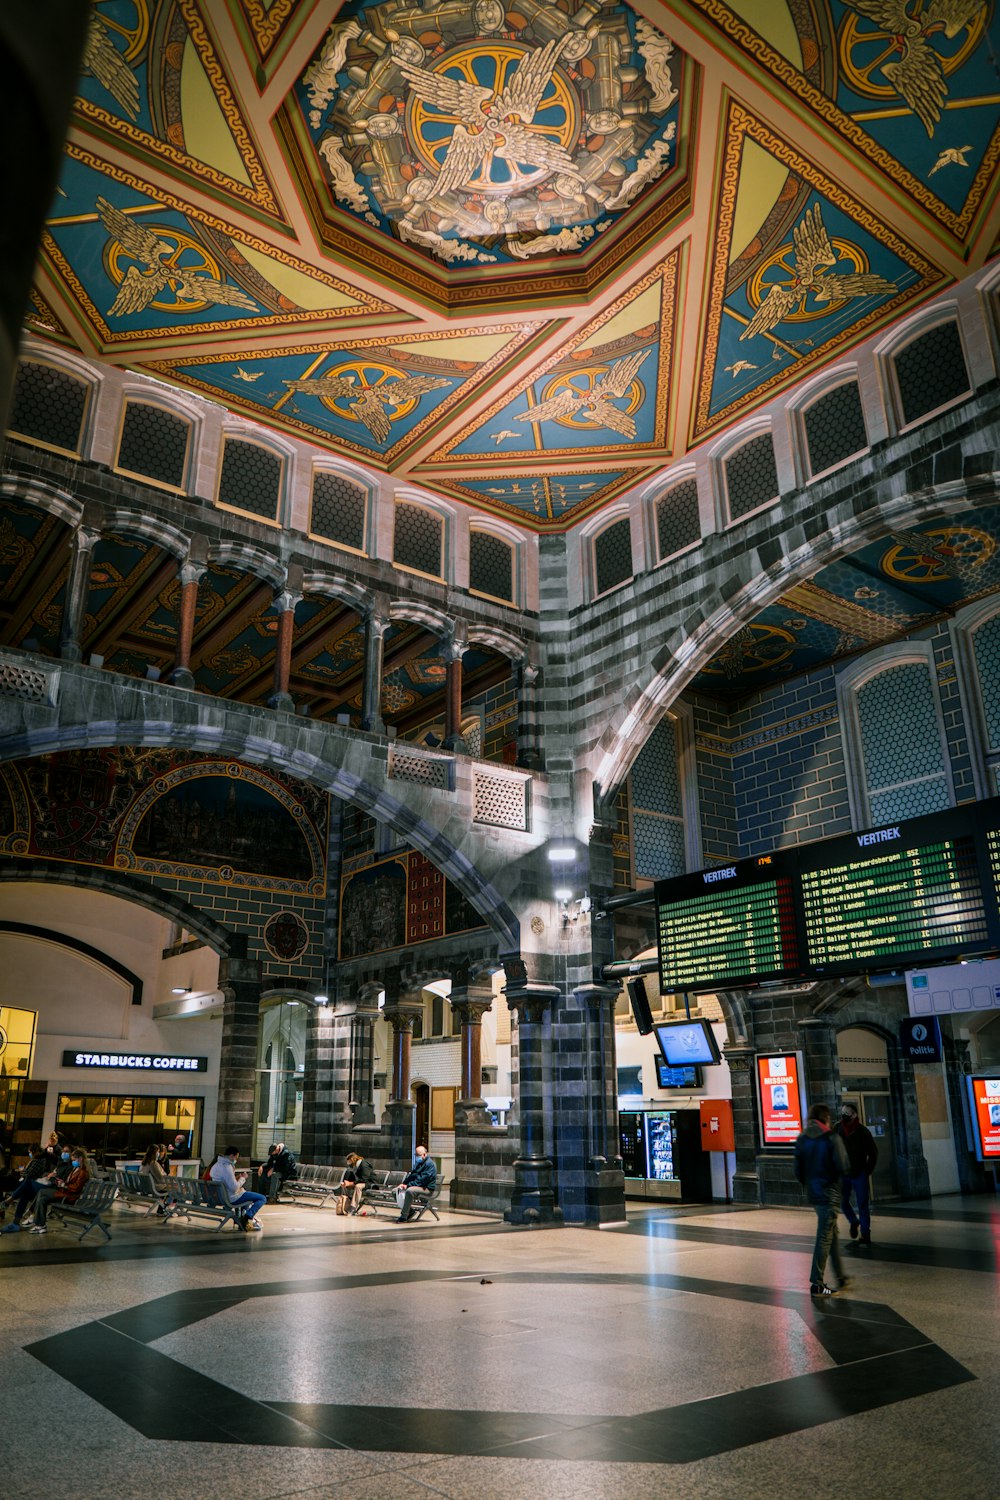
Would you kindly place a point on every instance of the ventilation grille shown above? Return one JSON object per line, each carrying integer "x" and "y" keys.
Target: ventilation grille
{"x": 423, "y": 770}
{"x": 501, "y": 801}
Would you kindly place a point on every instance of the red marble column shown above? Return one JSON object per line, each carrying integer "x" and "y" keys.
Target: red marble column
{"x": 190, "y": 576}
{"x": 285, "y": 604}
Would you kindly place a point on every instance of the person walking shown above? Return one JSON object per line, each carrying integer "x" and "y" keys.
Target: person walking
{"x": 821, "y": 1163}
{"x": 862, "y": 1153}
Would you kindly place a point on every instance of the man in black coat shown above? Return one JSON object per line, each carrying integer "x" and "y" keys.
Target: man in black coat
{"x": 279, "y": 1168}
{"x": 862, "y": 1153}
{"x": 820, "y": 1165}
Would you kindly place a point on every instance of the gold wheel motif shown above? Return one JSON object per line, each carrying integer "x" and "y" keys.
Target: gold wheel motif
{"x": 766, "y": 647}
{"x": 966, "y": 544}
{"x": 581, "y": 382}
{"x": 135, "y": 36}
{"x": 864, "y": 52}
{"x": 366, "y": 373}
{"x": 780, "y": 270}
{"x": 187, "y": 254}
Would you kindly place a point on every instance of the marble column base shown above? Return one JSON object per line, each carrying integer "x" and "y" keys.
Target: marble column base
{"x": 533, "y": 1200}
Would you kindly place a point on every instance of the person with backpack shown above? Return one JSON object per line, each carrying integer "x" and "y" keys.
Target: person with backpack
{"x": 821, "y": 1164}
{"x": 862, "y": 1154}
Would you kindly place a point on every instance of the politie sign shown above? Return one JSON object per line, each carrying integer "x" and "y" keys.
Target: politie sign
{"x": 140, "y": 1062}
{"x": 920, "y": 1038}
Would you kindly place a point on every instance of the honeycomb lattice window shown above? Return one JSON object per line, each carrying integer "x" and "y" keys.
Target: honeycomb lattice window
{"x": 251, "y": 479}
{"x": 613, "y": 555}
{"x": 491, "y": 565}
{"x": 154, "y": 444}
{"x": 48, "y": 406}
{"x": 904, "y": 762}
{"x": 751, "y": 476}
{"x": 501, "y": 801}
{"x": 835, "y": 427}
{"x": 338, "y": 510}
{"x": 931, "y": 371}
{"x": 677, "y": 520}
{"x": 986, "y": 646}
{"x": 422, "y": 770}
{"x": 417, "y": 539}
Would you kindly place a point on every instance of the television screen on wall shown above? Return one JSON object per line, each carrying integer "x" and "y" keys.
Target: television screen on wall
{"x": 687, "y": 1043}
{"x": 688, "y": 1077}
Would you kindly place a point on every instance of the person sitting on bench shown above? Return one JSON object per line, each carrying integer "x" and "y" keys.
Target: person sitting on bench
{"x": 280, "y": 1167}
{"x": 224, "y": 1172}
{"x": 357, "y": 1177}
{"x": 54, "y": 1190}
{"x": 46, "y": 1168}
{"x": 418, "y": 1184}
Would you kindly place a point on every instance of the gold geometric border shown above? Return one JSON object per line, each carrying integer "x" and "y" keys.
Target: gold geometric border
{"x": 667, "y": 274}
{"x": 741, "y": 125}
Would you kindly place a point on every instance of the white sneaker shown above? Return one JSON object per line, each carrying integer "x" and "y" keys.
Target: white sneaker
{"x": 39, "y": 1229}
{"x": 254, "y": 1225}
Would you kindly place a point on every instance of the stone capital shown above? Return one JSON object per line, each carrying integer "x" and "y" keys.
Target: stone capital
{"x": 191, "y": 572}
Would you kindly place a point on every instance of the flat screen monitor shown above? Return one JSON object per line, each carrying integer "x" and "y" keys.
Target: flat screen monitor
{"x": 684, "y": 1043}
{"x": 687, "y": 1077}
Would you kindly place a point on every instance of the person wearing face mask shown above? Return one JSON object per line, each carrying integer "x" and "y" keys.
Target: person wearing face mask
{"x": 39, "y": 1166}
{"x": 50, "y": 1188}
{"x": 862, "y": 1153}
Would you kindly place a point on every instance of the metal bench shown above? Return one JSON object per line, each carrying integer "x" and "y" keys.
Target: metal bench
{"x": 422, "y": 1205}
{"x": 89, "y": 1209}
{"x": 382, "y": 1192}
{"x": 136, "y": 1190}
{"x": 192, "y": 1198}
{"x": 314, "y": 1184}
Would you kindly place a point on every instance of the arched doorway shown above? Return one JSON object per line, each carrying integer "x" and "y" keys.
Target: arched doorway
{"x": 421, "y": 1096}
{"x": 864, "y": 1082}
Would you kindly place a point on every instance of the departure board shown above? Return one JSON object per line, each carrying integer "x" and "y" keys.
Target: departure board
{"x": 918, "y": 892}
{"x": 924, "y": 900}
{"x": 727, "y": 933}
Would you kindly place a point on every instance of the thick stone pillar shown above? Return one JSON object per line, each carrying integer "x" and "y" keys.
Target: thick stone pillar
{"x": 454, "y": 650}
{"x": 191, "y": 574}
{"x": 525, "y": 687}
{"x": 605, "y": 1189}
{"x": 533, "y": 1198}
{"x": 318, "y": 1111}
{"x": 77, "y": 589}
{"x": 470, "y": 1003}
{"x": 284, "y": 603}
{"x": 361, "y": 1082}
{"x": 400, "y": 1110}
{"x": 371, "y": 687}
{"x": 240, "y": 982}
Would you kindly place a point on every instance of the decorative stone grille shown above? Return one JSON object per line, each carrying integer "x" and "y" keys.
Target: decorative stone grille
{"x": 338, "y": 510}
{"x": 835, "y": 427}
{"x": 48, "y": 406}
{"x": 423, "y": 770}
{"x": 613, "y": 555}
{"x": 491, "y": 565}
{"x": 417, "y": 539}
{"x": 751, "y": 476}
{"x": 154, "y": 444}
{"x": 677, "y": 520}
{"x": 501, "y": 801}
{"x": 24, "y": 682}
{"x": 931, "y": 371}
{"x": 251, "y": 479}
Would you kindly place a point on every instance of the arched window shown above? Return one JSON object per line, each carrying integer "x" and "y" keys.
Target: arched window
{"x": 834, "y": 428}
{"x": 976, "y": 636}
{"x": 750, "y": 474}
{"x": 154, "y": 445}
{"x": 339, "y": 510}
{"x": 930, "y": 372}
{"x": 663, "y": 801}
{"x": 250, "y": 479}
{"x": 612, "y": 554}
{"x": 678, "y": 524}
{"x": 418, "y": 539}
{"x": 491, "y": 566}
{"x": 48, "y": 407}
{"x": 894, "y": 735}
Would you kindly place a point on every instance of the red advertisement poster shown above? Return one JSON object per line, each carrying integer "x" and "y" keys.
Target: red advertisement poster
{"x": 780, "y": 1094}
{"x": 985, "y": 1097}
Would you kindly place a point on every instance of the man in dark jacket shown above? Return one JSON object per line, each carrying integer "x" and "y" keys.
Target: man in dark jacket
{"x": 279, "y": 1168}
{"x": 820, "y": 1165}
{"x": 419, "y": 1182}
{"x": 862, "y": 1153}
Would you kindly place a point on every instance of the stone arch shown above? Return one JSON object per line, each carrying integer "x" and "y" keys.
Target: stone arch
{"x": 414, "y": 613}
{"x": 247, "y": 559}
{"x": 134, "y": 523}
{"x": 711, "y": 619}
{"x": 330, "y": 585}
{"x": 503, "y": 642}
{"x": 127, "y": 888}
{"x": 74, "y": 945}
{"x": 56, "y": 502}
{"x": 226, "y": 738}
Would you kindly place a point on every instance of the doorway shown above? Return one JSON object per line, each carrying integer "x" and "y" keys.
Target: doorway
{"x": 421, "y": 1095}
{"x": 864, "y": 1082}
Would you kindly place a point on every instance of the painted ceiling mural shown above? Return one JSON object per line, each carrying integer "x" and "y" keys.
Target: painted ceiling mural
{"x": 522, "y": 255}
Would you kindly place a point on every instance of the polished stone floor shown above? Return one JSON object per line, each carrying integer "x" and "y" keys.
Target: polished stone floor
{"x": 678, "y": 1356}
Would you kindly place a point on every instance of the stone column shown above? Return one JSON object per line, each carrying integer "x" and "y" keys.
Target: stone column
{"x": 285, "y": 603}
{"x": 605, "y": 1188}
{"x": 470, "y": 1002}
{"x": 533, "y": 1198}
{"x": 371, "y": 687}
{"x": 362, "y": 1064}
{"x": 740, "y": 1057}
{"x": 77, "y": 590}
{"x": 318, "y": 1111}
{"x": 400, "y": 1110}
{"x": 525, "y": 687}
{"x": 454, "y": 650}
{"x": 240, "y": 982}
{"x": 190, "y": 575}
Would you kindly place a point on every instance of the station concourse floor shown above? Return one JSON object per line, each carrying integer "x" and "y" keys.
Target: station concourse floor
{"x": 677, "y": 1356}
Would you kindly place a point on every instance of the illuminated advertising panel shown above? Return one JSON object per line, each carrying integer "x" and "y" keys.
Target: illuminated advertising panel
{"x": 984, "y": 1104}
{"x": 780, "y": 1097}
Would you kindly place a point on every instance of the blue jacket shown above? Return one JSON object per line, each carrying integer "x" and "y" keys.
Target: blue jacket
{"x": 820, "y": 1163}
{"x": 423, "y": 1174}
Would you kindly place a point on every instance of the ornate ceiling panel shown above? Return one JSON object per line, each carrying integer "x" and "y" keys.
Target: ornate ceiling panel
{"x": 524, "y": 255}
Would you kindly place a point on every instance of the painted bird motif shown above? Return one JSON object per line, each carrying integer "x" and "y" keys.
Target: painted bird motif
{"x": 103, "y": 61}
{"x": 814, "y": 255}
{"x": 141, "y": 287}
{"x": 918, "y": 76}
{"x": 490, "y": 123}
{"x": 504, "y": 434}
{"x": 739, "y": 367}
{"x": 368, "y": 402}
{"x": 595, "y": 405}
{"x": 248, "y": 375}
{"x": 952, "y": 156}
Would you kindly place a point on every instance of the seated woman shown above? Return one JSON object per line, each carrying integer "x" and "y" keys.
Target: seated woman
{"x": 152, "y": 1168}
{"x": 40, "y": 1168}
{"x": 357, "y": 1177}
{"x": 55, "y": 1191}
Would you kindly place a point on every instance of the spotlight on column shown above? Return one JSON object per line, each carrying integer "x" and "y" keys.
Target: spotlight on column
{"x": 640, "y": 1006}
{"x": 96, "y": 660}
{"x": 322, "y": 999}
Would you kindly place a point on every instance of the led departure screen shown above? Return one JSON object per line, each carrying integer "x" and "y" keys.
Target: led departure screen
{"x": 909, "y": 901}
{"x": 726, "y": 933}
{"x": 919, "y": 892}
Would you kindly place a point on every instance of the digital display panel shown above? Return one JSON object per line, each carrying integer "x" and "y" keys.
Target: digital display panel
{"x": 677, "y": 1078}
{"x": 922, "y": 892}
{"x": 685, "y": 1043}
{"x": 730, "y": 930}
{"x": 780, "y": 1098}
{"x": 984, "y": 1104}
